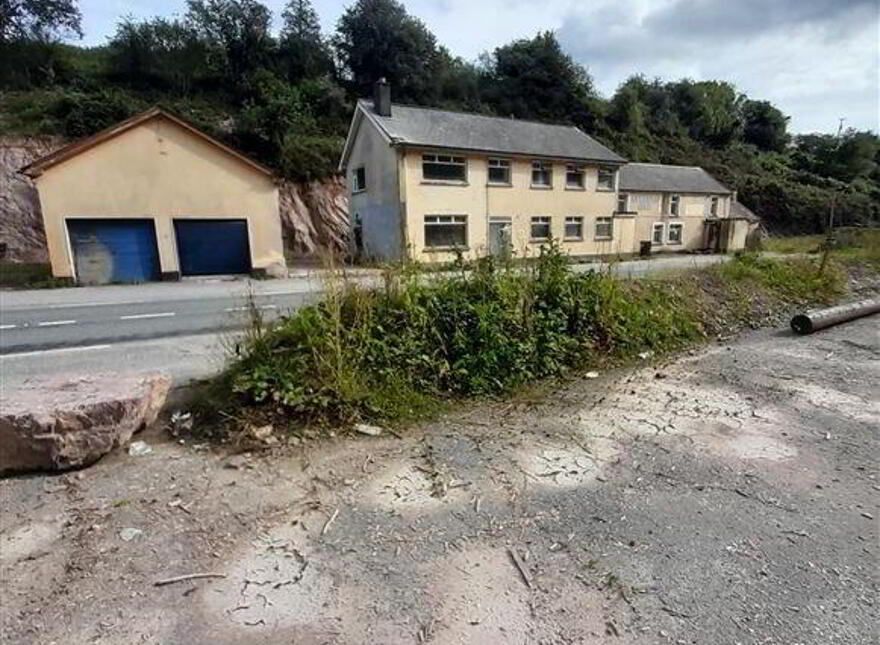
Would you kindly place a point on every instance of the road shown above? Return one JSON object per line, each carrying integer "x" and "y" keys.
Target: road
{"x": 176, "y": 327}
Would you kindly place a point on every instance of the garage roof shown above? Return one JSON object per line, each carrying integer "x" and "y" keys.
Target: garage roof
{"x": 36, "y": 168}
{"x": 431, "y": 128}
{"x": 662, "y": 178}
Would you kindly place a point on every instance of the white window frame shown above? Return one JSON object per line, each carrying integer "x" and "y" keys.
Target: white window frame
{"x": 444, "y": 159}
{"x": 573, "y": 219}
{"x": 445, "y": 220}
{"x": 606, "y": 170}
{"x": 625, "y": 198}
{"x": 357, "y": 186}
{"x": 499, "y": 162}
{"x": 680, "y": 227}
{"x": 603, "y": 220}
{"x": 541, "y": 219}
{"x": 674, "y": 199}
{"x": 578, "y": 170}
{"x": 542, "y": 166}
{"x": 654, "y": 228}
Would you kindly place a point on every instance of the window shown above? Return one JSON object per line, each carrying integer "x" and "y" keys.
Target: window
{"x": 499, "y": 171}
{"x": 713, "y": 207}
{"x": 574, "y": 176}
{"x": 542, "y": 174}
{"x": 443, "y": 168}
{"x": 574, "y": 228}
{"x": 674, "y": 234}
{"x": 645, "y": 203}
{"x": 445, "y": 231}
{"x": 606, "y": 179}
{"x": 623, "y": 203}
{"x": 674, "y": 204}
{"x": 657, "y": 234}
{"x": 604, "y": 228}
{"x": 360, "y": 179}
{"x": 540, "y": 228}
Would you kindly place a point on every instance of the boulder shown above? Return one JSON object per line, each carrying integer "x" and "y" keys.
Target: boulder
{"x": 63, "y": 422}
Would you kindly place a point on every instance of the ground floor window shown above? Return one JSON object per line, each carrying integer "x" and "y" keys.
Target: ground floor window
{"x": 674, "y": 234}
{"x": 604, "y": 228}
{"x": 657, "y": 234}
{"x": 443, "y": 231}
{"x": 574, "y": 228}
{"x": 540, "y": 229}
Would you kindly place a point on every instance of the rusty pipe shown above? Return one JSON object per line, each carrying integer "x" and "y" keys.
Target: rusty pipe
{"x": 821, "y": 318}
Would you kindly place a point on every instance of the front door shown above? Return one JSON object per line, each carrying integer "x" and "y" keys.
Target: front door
{"x": 713, "y": 236}
{"x": 499, "y": 236}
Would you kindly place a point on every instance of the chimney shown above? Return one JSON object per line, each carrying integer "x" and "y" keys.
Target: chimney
{"x": 382, "y": 97}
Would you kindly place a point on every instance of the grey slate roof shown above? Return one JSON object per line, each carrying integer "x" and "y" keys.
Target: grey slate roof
{"x": 669, "y": 179}
{"x": 739, "y": 211}
{"x": 430, "y": 128}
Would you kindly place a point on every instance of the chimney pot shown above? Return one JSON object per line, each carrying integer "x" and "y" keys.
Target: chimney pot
{"x": 382, "y": 97}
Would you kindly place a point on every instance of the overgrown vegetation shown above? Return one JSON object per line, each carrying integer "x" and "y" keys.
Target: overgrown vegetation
{"x": 849, "y": 245}
{"x": 287, "y": 97}
{"x": 397, "y": 352}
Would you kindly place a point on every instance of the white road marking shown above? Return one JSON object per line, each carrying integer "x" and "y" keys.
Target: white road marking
{"x": 8, "y": 326}
{"x": 58, "y": 350}
{"x": 55, "y": 323}
{"x": 164, "y": 314}
{"x": 248, "y": 308}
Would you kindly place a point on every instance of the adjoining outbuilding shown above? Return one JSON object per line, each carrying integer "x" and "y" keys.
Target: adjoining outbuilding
{"x": 155, "y": 198}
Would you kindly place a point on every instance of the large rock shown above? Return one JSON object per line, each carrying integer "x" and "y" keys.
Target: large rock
{"x": 68, "y": 421}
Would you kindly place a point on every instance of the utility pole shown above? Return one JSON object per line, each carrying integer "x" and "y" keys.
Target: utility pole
{"x": 829, "y": 233}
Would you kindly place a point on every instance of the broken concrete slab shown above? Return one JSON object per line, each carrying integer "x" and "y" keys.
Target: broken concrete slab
{"x": 65, "y": 421}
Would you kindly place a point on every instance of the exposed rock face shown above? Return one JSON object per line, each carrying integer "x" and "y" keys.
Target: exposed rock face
{"x": 64, "y": 422}
{"x": 21, "y": 225}
{"x": 314, "y": 215}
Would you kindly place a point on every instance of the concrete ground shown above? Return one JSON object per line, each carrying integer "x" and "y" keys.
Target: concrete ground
{"x": 176, "y": 327}
{"x": 729, "y": 496}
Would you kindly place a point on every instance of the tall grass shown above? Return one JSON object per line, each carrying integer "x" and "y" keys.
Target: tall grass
{"x": 394, "y": 352}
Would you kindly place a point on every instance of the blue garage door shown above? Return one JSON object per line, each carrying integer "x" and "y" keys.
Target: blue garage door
{"x": 114, "y": 250}
{"x": 212, "y": 247}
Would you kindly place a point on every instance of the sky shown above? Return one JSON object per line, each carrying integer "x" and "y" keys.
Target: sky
{"x": 817, "y": 60}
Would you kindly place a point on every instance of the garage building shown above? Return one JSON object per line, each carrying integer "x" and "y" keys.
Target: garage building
{"x": 154, "y": 198}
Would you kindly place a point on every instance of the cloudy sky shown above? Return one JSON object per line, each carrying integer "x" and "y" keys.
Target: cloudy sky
{"x": 818, "y": 60}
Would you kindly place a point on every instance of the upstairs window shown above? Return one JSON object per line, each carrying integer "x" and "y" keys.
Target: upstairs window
{"x": 360, "y": 180}
{"x": 499, "y": 171}
{"x": 542, "y": 174}
{"x": 674, "y": 234}
{"x": 445, "y": 231}
{"x": 622, "y": 203}
{"x": 574, "y": 176}
{"x": 713, "y": 207}
{"x": 574, "y": 228}
{"x": 540, "y": 229}
{"x": 674, "y": 205}
{"x": 604, "y": 228}
{"x": 606, "y": 179}
{"x": 436, "y": 167}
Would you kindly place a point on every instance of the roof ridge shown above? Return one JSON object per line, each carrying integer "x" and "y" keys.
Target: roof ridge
{"x": 664, "y": 165}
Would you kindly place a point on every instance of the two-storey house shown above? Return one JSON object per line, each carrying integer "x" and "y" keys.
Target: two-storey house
{"x": 426, "y": 184}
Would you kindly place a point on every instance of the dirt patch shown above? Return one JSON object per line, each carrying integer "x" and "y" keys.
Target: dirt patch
{"x": 728, "y": 496}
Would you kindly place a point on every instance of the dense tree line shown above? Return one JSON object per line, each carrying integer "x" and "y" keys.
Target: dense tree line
{"x": 287, "y": 97}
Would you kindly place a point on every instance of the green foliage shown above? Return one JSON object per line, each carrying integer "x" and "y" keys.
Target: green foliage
{"x": 302, "y": 50}
{"x": 38, "y": 19}
{"x": 764, "y": 125}
{"x": 796, "y": 280}
{"x": 83, "y": 113}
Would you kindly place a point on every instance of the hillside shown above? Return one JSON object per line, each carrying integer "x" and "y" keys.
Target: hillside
{"x": 286, "y": 98}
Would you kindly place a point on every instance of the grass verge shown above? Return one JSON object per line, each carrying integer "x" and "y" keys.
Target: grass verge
{"x": 405, "y": 350}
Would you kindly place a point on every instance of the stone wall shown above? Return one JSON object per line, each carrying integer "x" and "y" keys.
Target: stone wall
{"x": 314, "y": 215}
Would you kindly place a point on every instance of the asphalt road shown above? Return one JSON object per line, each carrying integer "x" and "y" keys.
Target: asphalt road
{"x": 177, "y": 327}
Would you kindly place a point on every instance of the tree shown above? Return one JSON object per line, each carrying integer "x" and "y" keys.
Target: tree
{"x": 764, "y": 125}
{"x": 535, "y": 79}
{"x": 708, "y": 109}
{"x": 157, "y": 54}
{"x": 854, "y": 155}
{"x": 38, "y": 19}
{"x": 236, "y": 34}
{"x": 376, "y": 39}
{"x": 302, "y": 49}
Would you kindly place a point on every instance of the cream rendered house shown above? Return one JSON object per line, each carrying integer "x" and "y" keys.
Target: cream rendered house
{"x": 427, "y": 184}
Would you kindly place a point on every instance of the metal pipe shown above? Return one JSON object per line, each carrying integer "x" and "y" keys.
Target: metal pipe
{"x": 821, "y": 318}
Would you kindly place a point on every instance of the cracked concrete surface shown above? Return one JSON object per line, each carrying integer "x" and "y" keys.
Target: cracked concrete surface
{"x": 729, "y": 496}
